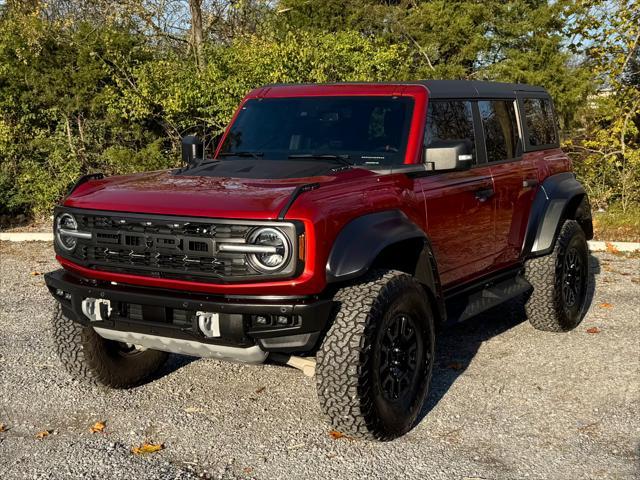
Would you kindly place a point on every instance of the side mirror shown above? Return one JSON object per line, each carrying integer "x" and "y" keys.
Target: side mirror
{"x": 448, "y": 155}
{"x": 192, "y": 150}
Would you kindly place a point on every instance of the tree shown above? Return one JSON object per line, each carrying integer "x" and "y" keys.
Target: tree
{"x": 195, "y": 7}
{"x": 607, "y": 34}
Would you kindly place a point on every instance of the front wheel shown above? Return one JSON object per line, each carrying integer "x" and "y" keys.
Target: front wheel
{"x": 93, "y": 359}
{"x": 375, "y": 363}
{"x": 560, "y": 281}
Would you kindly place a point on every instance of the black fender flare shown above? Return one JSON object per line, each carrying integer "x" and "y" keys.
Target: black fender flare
{"x": 363, "y": 239}
{"x": 561, "y": 196}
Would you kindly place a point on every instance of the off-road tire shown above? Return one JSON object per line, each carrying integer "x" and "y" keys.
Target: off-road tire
{"x": 349, "y": 373}
{"x": 547, "y": 308}
{"x": 90, "y": 358}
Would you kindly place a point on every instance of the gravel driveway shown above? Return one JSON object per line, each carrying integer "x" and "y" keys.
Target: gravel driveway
{"x": 507, "y": 402}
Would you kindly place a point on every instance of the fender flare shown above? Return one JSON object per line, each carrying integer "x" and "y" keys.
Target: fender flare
{"x": 559, "y": 197}
{"x": 363, "y": 239}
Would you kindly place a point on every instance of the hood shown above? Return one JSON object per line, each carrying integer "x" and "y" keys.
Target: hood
{"x": 168, "y": 193}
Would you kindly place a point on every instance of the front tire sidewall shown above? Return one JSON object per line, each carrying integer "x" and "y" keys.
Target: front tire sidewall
{"x": 348, "y": 361}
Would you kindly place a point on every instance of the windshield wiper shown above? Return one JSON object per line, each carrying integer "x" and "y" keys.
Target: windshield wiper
{"x": 343, "y": 159}
{"x": 241, "y": 154}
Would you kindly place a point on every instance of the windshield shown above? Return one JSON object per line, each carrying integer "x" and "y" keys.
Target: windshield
{"x": 368, "y": 131}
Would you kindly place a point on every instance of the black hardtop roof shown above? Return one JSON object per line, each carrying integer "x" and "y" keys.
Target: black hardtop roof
{"x": 477, "y": 89}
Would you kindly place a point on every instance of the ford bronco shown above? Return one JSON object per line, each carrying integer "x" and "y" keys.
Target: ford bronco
{"x": 334, "y": 227}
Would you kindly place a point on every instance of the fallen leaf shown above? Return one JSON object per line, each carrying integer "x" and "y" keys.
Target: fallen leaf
{"x": 455, "y": 366}
{"x": 611, "y": 248}
{"x": 260, "y": 390}
{"x": 593, "y": 330}
{"x": 43, "y": 434}
{"x": 336, "y": 434}
{"x": 98, "y": 427}
{"x": 3, "y": 427}
{"x": 192, "y": 410}
{"x": 36, "y": 273}
{"x": 247, "y": 470}
{"x": 606, "y": 305}
{"x": 147, "y": 448}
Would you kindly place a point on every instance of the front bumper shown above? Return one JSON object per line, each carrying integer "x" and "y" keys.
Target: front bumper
{"x": 166, "y": 319}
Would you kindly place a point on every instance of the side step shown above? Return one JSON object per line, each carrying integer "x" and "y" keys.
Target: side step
{"x": 469, "y": 303}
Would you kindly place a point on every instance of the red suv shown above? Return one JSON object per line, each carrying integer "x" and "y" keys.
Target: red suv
{"x": 343, "y": 222}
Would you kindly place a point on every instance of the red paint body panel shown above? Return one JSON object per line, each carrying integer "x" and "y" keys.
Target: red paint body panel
{"x": 470, "y": 237}
{"x": 459, "y": 225}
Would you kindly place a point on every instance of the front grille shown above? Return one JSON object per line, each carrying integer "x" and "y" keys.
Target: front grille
{"x": 162, "y": 246}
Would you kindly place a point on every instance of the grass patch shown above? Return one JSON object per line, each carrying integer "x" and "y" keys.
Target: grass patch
{"x": 616, "y": 225}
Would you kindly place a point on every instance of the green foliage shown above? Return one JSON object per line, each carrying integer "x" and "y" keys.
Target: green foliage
{"x": 57, "y": 121}
{"x": 607, "y": 148}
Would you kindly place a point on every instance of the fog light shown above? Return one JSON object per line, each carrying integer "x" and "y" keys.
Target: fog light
{"x": 262, "y": 320}
{"x": 67, "y": 296}
{"x": 59, "y": 292}
{"x": 282, "y": 320}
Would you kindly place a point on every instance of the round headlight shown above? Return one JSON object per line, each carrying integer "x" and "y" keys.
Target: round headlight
{"x": 278, "y": 252}
{"x": 66, "y": 223}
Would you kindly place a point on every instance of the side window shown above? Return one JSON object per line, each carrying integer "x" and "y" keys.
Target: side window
{"x": 540, "y": 121}
{"x": 500, "y": 129}
{"x": 448, "y": 123}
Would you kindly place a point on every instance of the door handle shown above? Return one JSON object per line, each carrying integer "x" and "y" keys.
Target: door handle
{"x": 484, "y": 194}
{"x": 530, "y": 182}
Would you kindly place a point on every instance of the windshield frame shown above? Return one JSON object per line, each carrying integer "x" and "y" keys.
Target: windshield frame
{"x": 359, "y": 158}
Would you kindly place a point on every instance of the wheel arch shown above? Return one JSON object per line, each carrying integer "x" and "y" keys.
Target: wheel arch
{"x": 560, "y": 197}
{"x": 386, "y": 240}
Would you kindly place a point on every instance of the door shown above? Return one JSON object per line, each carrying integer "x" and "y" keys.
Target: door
{"x": 460, "y": 205}
{"x": 514, "y": 179}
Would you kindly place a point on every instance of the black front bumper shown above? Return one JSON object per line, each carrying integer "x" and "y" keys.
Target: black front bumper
{"x": 172, "y": 314}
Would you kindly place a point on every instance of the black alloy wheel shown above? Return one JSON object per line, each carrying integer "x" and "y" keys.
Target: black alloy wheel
{"x": 400, "y": 357}
{"x": 573, "y": 278}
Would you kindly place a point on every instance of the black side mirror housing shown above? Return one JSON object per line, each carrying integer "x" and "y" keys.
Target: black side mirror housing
{"x": 192, "y": 150}
{"x": 449, "y": 155}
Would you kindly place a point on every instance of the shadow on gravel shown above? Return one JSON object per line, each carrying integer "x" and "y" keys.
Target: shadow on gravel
{"x": 174, "y": 362}
{"x": 594, "y": 269}
{"x": 457, "y": 344}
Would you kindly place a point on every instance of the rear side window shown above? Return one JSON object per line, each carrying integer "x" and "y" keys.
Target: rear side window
{"x": 540, "y": 122}
{"x": 500, "y": 129}
{"x": 449, "y": 122}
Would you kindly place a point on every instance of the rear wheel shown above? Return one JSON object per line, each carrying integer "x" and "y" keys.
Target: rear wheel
{"x": 93, "y": 359}
{"x": 375, "y": 363}
{"x": 560, "y": 282}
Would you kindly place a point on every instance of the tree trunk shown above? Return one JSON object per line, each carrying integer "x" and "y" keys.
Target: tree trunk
{"x": 195, "y": 7}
